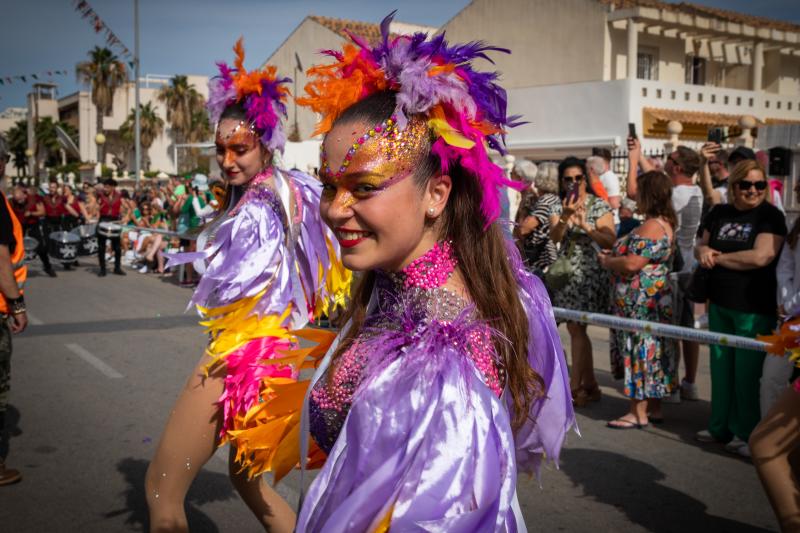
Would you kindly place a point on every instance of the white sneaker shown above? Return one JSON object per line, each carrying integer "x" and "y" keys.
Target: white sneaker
{"x": 701, "y": 322}
{"x": 675, "y": 397}
{"x": 689, "y": 391}
{"x": 735, "y": 445}
{"x": 143, "y": 270}
{"x": 744, "y": 451}
{"x": 704, "y": 436}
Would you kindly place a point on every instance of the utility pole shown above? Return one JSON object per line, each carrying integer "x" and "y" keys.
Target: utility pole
{"x": 137, "y": 127}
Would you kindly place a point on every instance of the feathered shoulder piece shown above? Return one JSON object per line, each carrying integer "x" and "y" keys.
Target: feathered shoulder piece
{"x": 261, "y": 91}
{"x": 465, "y": 109}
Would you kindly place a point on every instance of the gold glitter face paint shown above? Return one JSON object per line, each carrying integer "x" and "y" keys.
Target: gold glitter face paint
{"x": 377, "y": 164}
{"x": 235, "y": 143}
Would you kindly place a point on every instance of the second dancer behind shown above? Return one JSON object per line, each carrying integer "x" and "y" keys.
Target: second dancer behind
{"x": 269, "y": 266}
{"x": 449, "y": 378}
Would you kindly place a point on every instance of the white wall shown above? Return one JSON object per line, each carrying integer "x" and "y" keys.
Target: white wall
{"x": 551, "y": 41}
{"x": 306, "y": 40}
{"x": 568, "y": 119}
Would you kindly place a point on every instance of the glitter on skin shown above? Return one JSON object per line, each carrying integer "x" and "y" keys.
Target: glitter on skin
{"x": 376, "y": 165}
{"x": 236, "y": 142}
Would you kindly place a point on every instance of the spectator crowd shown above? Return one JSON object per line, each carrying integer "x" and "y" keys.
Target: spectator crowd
{"x": 698, "y": 239}
{"x": 175, "y": 210}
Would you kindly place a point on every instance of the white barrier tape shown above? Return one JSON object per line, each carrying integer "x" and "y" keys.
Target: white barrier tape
{"x": 661, "y": 330}
{"x": 168, "y": 233}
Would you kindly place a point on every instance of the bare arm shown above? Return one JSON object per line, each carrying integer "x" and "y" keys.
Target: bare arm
{"x": 38, "y": 210}
{"x": 766, "y": 249}
{"x": 603, "y": 232}
{"x": 712, "y": 196}
{"x": 527, "y": 226}
{"x": 614, "y": 201}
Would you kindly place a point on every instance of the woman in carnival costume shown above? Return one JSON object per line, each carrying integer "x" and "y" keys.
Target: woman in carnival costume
{"x": 269, "y": 266}
{"x": 449, "y": 378}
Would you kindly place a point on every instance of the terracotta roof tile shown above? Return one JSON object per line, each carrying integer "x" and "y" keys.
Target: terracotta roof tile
{"x": 713, "y": 12}
{"x": 371, "y": 32}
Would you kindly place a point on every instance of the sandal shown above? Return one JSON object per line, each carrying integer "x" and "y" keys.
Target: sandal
{"x": 593, "y": 393}
{"x": 619, "y": 423}
{"x": 579, "y": 397}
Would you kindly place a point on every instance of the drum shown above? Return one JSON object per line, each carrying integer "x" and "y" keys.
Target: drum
{"x": 109, "y": 229}
{"x": 63, "y": 246}
{"x": 30, "y": 245}
{"x": 87, "y": 233}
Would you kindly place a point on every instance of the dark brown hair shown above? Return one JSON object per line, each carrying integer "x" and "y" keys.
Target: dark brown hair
{"x": 482, "y": 259}
{"x": 688, "y": 160}
{"x": 655, "y": 196}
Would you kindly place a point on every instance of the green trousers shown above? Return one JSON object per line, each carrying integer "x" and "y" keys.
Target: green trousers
{"x": 735, "y": 374}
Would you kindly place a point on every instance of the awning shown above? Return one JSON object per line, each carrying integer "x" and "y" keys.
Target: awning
{"x": 693, "y": 117}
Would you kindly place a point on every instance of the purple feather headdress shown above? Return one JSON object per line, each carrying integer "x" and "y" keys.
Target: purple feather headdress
{"x": 262, "y": 93}
{"x": 465, "y": 109}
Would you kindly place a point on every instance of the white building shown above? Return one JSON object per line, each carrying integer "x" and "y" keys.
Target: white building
{"x": 581, "y": 70}
{"x": 8, "y": 118}
{"x": 78, "y": 110}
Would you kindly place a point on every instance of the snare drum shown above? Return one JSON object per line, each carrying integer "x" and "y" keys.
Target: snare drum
{"x": 110, "y": 230}
{"x": 63, "y": 246}
{"x": 30, "y": 245}
{"x": 87, "y": 233}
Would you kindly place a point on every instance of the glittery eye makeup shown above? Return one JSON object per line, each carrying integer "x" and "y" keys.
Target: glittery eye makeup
{"x": 237, "y": 142}
{"x": 374, "y": 162}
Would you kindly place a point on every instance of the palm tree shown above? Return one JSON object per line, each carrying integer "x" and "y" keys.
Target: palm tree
{"x": 183, "y": 103}
{"x": 151, "y": 126}
{"x": 104, "y": 73}
{"x": 47, "y": 143}
{"x": 17, "y": 138}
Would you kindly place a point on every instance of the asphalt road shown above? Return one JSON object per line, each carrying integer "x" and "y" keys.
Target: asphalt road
{"x": 96, "y": 373}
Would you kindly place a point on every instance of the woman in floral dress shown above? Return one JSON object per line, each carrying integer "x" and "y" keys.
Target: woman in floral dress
{"x": 639, "y": 266}
{"x": 585, "y": 226}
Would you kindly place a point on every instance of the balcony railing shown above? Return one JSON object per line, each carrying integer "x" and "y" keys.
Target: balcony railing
{"x": 711, "y": 99}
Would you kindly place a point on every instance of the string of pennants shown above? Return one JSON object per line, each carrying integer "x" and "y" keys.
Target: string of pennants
{"x": 8, "y": 80}
{"x": 86, "y": 11}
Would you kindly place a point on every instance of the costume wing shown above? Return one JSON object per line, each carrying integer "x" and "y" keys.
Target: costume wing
{"x": 552, "y": 416}
{"x": 324, "y": 279}
{"x": 426, "y": 446}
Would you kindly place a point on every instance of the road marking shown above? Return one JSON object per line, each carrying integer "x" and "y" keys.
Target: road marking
{"x": 33, "y": 321}
{"x": 90, "y": 358}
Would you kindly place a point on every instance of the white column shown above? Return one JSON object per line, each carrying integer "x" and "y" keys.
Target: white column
{"x": 633, "y": 49}
{"x": 758, "y": 65}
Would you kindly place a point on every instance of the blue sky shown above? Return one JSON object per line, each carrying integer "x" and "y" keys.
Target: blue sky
{"x": 187, "y": 36}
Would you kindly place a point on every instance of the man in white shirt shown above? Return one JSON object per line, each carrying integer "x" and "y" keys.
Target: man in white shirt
{"x": 607, "y": 176}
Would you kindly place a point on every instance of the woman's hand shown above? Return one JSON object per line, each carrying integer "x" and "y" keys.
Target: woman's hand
{"x": 602, "y": 257}
{"x": 579, "y": 218}
{"x": 568, "y": 208}
{"x": 707, "y": 257}
{"x": 634, "y": 151}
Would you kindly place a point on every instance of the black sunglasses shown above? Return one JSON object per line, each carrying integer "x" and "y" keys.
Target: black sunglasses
{"x": 570, "y": 179}
{"x": 745, "y": 185}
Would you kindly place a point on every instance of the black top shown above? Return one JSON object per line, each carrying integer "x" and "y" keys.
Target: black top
{"x": 731, "y": 230}
{"x": 6, "y": 226}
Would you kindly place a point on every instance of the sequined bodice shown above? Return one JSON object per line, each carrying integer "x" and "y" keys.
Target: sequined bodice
{"x": 332, "y": 395}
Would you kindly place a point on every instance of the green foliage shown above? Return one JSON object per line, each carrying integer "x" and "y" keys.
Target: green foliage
{"x": 17, "y": 138}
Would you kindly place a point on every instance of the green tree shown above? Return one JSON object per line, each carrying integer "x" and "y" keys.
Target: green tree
{"x": 104, "y": 73}
{"x": 47, "y": 145}
{"x": 183, "y": 104}
{"x": 151, "y": 126}
{"x": 17, "y": 138}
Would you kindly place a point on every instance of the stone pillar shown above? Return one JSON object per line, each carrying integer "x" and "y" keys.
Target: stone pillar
{"x": 674, "y": 128}
{"x": 633, "y": 49}
{"x": 747, "y": 123}
{"x": 758, "y": 66}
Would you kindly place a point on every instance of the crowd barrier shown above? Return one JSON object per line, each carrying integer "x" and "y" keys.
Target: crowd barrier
{"x": 662, "y": 330}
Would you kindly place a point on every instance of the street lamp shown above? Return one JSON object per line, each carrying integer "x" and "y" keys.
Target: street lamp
{"x": 29, "y": 157}
{"x": 99, "y": 140}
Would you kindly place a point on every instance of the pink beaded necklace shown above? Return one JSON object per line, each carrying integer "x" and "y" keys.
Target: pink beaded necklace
{"x": 432, "y": 269}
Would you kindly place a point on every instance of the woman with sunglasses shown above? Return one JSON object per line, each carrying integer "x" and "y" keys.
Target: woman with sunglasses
{"x": 741, "y": 243}
{"x": 585, "y": 226}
